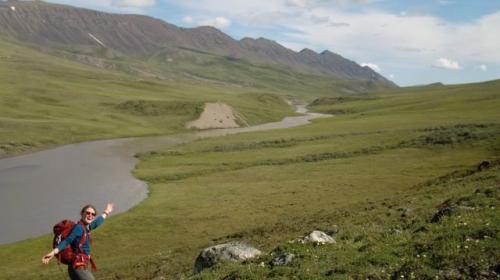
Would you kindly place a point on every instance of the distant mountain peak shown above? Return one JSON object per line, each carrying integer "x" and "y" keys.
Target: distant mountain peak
{"x": 260, "y": 42}
{"x": 66, "y": 27}
{"x": 308, "y": 51}
{"x": 207, "y": 28}
{"x": 262, "y": 39}
{"x": 328, "y": 53}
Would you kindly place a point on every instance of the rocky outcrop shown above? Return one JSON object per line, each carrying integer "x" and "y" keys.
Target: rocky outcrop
{"x": 234, "y": 251}
{"x": 240, "y": 252}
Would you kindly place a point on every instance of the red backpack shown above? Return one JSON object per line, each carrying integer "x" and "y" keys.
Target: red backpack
{"x": 68, "y": 255}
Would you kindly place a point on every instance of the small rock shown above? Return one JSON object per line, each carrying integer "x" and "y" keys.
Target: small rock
{"x": 318, "y": 237}
{"x": 233, "y": 251}
{"x": 443, "y": 210}
{"x": 485, "y": 164}
{"x": 405, "y": 212}
{"x": 283, "y": 259}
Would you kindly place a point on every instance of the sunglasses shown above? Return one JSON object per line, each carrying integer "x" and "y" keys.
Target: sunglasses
{"x": 90, "y": 213}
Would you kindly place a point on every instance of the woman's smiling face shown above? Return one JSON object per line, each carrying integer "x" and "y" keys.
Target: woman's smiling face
{"x": 88, "y": 215}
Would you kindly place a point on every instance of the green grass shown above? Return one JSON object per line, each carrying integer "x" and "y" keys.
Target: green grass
{"x": 178, "y": 63}
{"x": 376, "y": 174}
{"x": 395, "y": 238}
{"x": 46, "y": 100}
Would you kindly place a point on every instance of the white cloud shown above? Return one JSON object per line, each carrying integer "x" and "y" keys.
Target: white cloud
{"x": 188, "y": 19}
{"x": 446, "y": 63}
{"x": 401, "y": 41}
{"x": 133, "y": 3}
{"x": 373, "y": 66}
{"x": 365, "y": 34}
{"x": 218, "y": 22}
{"x": 296, "y": 3}
{"x": 483, "y": 67}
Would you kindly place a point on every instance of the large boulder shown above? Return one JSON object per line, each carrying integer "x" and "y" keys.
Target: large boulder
{"x": 318, "y": 237}
{"x": 233, "y": 251}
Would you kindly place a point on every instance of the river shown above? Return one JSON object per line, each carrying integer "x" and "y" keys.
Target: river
{"x": 39, "y": 189}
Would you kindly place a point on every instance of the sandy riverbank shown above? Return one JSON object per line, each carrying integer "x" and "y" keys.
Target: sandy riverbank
{"x": 216, "y": 115}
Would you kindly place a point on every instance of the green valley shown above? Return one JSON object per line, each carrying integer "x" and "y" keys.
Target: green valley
{"x": 378, "y": 174}
{"x": 405, "y": 180}
{"x": 46, "y": 100}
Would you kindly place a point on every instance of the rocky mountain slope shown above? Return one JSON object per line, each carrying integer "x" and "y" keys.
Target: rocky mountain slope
{"x": 82, "y": 30}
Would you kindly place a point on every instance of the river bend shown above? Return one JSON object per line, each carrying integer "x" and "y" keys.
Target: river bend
{"x": 39, "y": 189}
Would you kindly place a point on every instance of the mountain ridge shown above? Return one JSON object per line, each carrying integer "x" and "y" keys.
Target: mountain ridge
{"x": 62, "y": 26}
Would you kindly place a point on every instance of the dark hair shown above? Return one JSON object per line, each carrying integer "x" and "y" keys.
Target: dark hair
{"x": 87, "y": 207}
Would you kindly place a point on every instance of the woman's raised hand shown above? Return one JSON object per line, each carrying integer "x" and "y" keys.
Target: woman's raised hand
{"x": 109, "y": 208}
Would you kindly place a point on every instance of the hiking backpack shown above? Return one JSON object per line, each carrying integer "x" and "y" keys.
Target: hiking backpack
{"x": 61, "y": 232}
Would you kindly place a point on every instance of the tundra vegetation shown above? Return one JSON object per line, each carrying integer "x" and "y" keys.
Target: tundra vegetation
{"x": 407, "y": 180}
{"x": 46, "y": 100}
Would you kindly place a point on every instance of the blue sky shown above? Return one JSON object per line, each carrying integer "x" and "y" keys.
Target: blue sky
{"x": 408, "y": 41}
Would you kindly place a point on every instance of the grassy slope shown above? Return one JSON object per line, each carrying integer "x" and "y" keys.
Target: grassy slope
{"x": 172, "y": 63}
{"x": 175, "y": 62}
{"x": 356, "y": 171}
{"x": 45, "y": 100}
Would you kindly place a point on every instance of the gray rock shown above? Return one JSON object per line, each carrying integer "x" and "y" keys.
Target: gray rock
{"x": 318, "y": 237}
{"x": 445, "y": 209}
{"x": 233, "y": 251}
{"x": 283, "y": 259}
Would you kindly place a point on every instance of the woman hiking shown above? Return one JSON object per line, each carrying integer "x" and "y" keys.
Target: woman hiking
{"x": 79, "y": 240}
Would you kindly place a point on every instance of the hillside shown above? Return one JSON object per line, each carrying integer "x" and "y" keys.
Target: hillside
{"x": 59, "y": 87}
{"x": 47, "y": 101}
{"x": 377, "y": 175}
{"x": 407, "y": 180}
{"x": 97, "y": 34}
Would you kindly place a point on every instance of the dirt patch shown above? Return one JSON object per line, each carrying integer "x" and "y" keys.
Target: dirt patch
{"x": 215, "y": 115}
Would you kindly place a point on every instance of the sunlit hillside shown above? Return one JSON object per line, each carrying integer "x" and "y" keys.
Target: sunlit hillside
{"x": 376, "y": 175}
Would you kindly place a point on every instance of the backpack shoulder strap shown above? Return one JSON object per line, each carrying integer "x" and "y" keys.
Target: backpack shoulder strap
{"x": 84, "y": 236}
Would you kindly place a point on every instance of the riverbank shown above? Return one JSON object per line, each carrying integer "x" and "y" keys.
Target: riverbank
{"x": 97, "y": 171}
{"x": 359, "y": 172}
